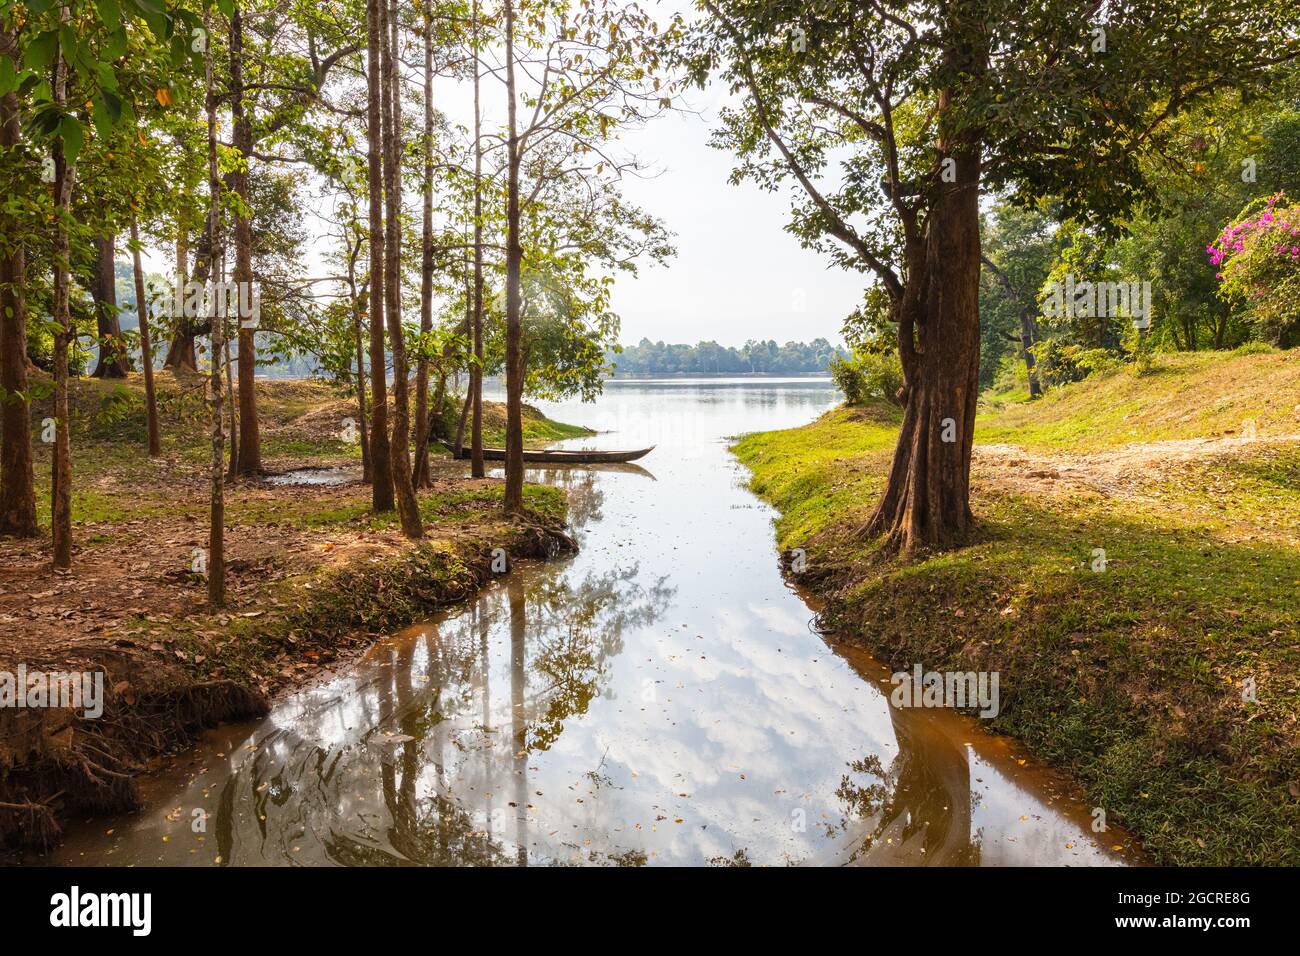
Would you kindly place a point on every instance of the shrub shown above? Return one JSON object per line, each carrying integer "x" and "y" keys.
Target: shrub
{"x": 869, "y": 376}
{"x": 1258, "y": 258}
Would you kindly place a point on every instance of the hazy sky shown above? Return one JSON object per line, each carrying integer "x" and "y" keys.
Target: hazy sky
{"x": 737, "y": 274}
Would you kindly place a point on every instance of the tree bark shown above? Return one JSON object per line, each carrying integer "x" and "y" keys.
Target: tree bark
{"x": 146, "y": 347}
{"x": 17, "y": 481}
{"x": 514, "y": 493}
{"x": 408, "y": 508}
{"x": 366, "y": 473}
{"x": 926, "y": 502}
{"x": 113, "y": 362}
{"x": 249, "y": 460}
{"x": 61, "y": 473}
{"x": 476, "y": 468}
{"x": 421, "y": 478}
{"x": 381, "y": 486}
{"x": 232, "y": 413}
{"x": 217, "y": 522}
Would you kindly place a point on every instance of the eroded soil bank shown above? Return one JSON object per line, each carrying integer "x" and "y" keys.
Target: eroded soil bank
{"x": 313, "y": 577}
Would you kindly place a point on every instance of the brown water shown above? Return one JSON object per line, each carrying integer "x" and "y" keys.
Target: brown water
{"x": 659, "y": 698}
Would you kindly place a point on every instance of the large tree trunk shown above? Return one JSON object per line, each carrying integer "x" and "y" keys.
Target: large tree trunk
{"x": 146, "y": 347}
{"x": 61, "y": 472}
{"x": 426, "y": 272}
{"x": 17, "y": 483}
{"x": 408, "y": 508}
{"x": 113, "y": 361}
{"x": 217, "y": 520}
{"x": 514, "y": 494}
{"x": 926, "y": 502}
{"x": 249, "y": 461}
{"x": 381, "y": 485}
{"x": 476, "y": 468}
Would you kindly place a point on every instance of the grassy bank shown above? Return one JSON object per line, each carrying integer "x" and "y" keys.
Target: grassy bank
{"x": 313, "y": 576}
{"x": 1137, "y": 679}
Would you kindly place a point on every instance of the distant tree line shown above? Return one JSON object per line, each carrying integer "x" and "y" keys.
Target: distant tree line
{"x": 710, "y": 358}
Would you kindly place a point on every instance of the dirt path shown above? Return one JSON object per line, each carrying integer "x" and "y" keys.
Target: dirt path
{"x": 1125, "y": 472}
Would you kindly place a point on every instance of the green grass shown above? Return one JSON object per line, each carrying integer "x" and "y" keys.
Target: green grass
{"x": 1130, "y": 679}
{"x": 1185, "y": 395}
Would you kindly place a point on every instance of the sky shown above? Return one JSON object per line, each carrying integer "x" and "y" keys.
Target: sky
{"x": 737, "y": 274}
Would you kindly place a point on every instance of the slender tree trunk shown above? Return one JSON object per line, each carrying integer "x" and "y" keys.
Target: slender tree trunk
{"x": 381, "y": 485}
{"x": 61, "y": 473}
{"x": 366, "y": 473}
{"x": 232, "y": 413}
{"x": 514, "y": 494}
{"x": 146, "y": 348}
{"x": 408, "y": 508}
{"x": 1028, "y": 337}
{"x": 113, "y": 361}
{"x": 926, "y": 502}
{"x": 180, "y": 350}
{"x": 249, "y": 458}
{"x": 421, "y": 479}
{"x": 459, "y": 444}
{"x": 476, "y": 469}
{"x": 17, "y": 481}
{"x": 216, "y": 529}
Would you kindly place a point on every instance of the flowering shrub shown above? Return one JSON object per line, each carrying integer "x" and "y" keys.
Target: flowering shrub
{"x": 1258, "y": 262}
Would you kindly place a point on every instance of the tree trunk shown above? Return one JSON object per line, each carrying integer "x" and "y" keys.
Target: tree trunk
{"x": 381, "y": 486}
{"x": 514, "y": 493}
{"x": 408, "y": 508}
{"x": 926, "y": 502}
{"x": 61, "y": 472}
{"x": 476, "y": 468}
{"x": 113, "y": 361}
{"x": 180, "y": 351}
{"x": 217, "y": 523}
{"x": 146, "y": 348}
{"x": 17, "y": 481}
{"x": 426, "y": 272}
{"x": 366, "y": 473}
{"x": 249, "y": 460}
{"x": 232, "y": 414}
{"x": 1028, "y": 336}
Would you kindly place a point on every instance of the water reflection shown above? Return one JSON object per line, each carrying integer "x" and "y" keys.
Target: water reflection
{"x": 659, "y": 698}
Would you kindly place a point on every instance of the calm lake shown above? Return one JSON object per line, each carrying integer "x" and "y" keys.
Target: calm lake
{"x": 659, "y": 698}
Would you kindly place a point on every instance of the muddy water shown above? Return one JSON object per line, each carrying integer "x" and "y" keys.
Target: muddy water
{"x": 659, "y": 698}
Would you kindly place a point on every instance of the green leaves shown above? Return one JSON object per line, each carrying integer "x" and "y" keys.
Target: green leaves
{"x": 40, "y": 52}
{"x": 9, "y": 77}
{"x": 110, "y": 13}
{"x": 73, "y": 138}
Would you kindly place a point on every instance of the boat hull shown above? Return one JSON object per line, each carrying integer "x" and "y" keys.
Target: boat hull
{"x": 557, "y": 456}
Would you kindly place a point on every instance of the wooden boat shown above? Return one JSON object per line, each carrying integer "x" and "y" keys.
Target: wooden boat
{"x": 556, "y": 456}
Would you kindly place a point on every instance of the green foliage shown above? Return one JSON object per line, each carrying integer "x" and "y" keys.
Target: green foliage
{"x": 710, "y": 358}
{"x": 1258, "y": 256}
{"x": 868, "y": 377}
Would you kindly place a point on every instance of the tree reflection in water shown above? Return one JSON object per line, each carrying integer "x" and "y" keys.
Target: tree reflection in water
{"x": 916, "y": 812}
{"x": 422, "y": 778}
